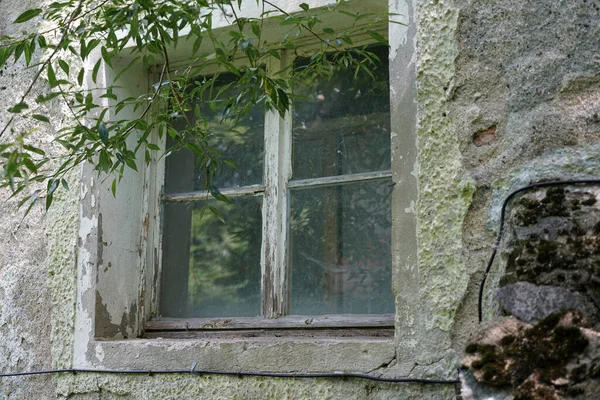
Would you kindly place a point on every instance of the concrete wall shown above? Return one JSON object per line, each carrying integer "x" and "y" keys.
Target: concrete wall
{"x": 507, "y": 92}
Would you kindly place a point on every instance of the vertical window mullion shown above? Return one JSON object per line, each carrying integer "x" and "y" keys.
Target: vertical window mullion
{"x": 285, "y": 174}
{"x": 274, "y": 211}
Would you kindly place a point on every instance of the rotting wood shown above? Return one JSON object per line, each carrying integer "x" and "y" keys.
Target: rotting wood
{"x": 289, "y": 322}
{"x": 203, "y": 195}
{"x": 334, "y": 180}
{"x": 283, "y": 334}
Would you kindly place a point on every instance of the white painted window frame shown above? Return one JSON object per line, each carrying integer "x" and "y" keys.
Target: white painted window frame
{"x": 277, "y": 183}
{"x": 117, "y": 257}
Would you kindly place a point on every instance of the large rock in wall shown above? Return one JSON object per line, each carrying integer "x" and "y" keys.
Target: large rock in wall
{"x": 551, "y": 284}
{"x": 554, "y": 240}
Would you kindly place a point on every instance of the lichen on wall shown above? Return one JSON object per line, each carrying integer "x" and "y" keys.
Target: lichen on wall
{"x": 445, "y": 187}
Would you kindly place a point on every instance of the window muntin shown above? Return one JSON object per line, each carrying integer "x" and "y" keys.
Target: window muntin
{"x": 344, "y": 277}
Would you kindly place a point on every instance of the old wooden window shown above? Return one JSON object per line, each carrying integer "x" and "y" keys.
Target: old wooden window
{"x": 308, "y": 231}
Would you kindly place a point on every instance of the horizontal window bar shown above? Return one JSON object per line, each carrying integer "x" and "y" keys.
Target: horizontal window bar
{"x": 289, "y": 322}
{"x": 332, "y": 180}
{"x": 202, "y": 195}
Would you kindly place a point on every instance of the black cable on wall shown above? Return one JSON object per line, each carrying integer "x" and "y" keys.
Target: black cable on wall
{"x": 508, "y": 198}
{"x": 200, "y": 372}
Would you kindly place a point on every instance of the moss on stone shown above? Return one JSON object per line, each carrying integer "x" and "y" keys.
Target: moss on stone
{"x": 543, "y": 350}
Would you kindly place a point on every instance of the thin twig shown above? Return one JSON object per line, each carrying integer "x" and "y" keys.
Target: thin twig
{"x": 45, "y": 64}
{"x": 281, "y": 10}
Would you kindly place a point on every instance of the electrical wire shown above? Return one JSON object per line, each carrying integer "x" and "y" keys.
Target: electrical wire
{"x": 195, "y": 371}
{"x": 501, "y": 227}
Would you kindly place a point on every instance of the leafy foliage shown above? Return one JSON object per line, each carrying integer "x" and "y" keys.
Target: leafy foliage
{"x": 95, "y": 32}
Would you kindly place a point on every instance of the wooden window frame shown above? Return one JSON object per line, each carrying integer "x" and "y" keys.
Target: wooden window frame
{"x": 275, "y": 265}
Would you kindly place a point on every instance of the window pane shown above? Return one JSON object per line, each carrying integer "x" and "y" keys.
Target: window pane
{"x": 340, "y": 250}
{"x": 344, "y": 127}
{"x": 211, "y": 268}
{"x": 243, "y": 144}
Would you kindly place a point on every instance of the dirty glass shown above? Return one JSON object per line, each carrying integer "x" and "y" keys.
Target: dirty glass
{"x": 239, "y": 147}
{"x": 211, "y": 249}
{"x": 218, "y": 262}
{"x": 343, "y": 125}
{"x": 340, "y": 249}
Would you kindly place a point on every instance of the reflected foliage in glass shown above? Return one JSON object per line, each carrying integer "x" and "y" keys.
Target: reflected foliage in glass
{"x": 340, "y": 249}
{"x": 222, "y": 263}
{"x": 237, "y": 143}
{"x": 343, "y": 125}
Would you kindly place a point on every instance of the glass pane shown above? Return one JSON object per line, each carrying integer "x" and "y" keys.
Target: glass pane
{"x": 344, "y": 125}
{"x": 340, "y": 250}
{"x": 211, "y": 268}
{"x": 243, "y": 144}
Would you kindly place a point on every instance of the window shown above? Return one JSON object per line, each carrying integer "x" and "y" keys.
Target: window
{"x": 120, "y": 238}
{"x": 307, "y": 232}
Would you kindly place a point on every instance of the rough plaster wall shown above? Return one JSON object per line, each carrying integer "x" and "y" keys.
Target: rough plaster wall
{"x": 25, "y": 300}
{"x": 185, "y": 386}
{"x": 445, "y": 191}
{"x": 526, "y": 106}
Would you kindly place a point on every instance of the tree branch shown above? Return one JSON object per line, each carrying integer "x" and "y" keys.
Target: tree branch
{"x": 45, "y": 64}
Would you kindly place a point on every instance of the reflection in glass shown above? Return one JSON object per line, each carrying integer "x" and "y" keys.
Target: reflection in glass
{"x": 211, "y": 268}
{"x": 343, "y": 127}
{"x": 340, "y": 249}
{"x": 242, "y": 144}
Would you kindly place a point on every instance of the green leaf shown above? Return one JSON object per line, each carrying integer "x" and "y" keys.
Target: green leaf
{"x": 32, "y": 201}
{"x": 152, "y": 146}
{"x": 103, "y": 133}
{"x": 48, "y": 201}
{"x": 80, "y": 77}
{"x": 256, "y": 28}
{"x": 86, "y": 49}
{"x": 17, "y": 108}
{"x": 304, "y": 6}
{"x": 106, "y": 56}
{"x": 275, "y": 53}
{"x": 27, "y": 15}
{"x": 5, "y": 53}
{"x": 217, "y": 213}
{"x": 104, "y": 162}
{"x": 95, "y": 70}
{"x": 131, "y": 163}
{"x": 214, "y": 191}
{"x": 51, "y": 76}
{"x": 349, "y": 14}
{"x": 42, "y": 99}
{"x": 34, "y": 149}
{"x": 64, "y": 66}
{"x": 64, "y": 184}
{"x": 113, "y": 187}
{"x": 42, "y": 41}
{"x": 28, "y": 51}
{"x": 328, "y": 30}
{"x": 291, "y": 21}
{"x": 378, "y": 37}
{"x": 40, "y": 117}
{"x": 29, "y": 164}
